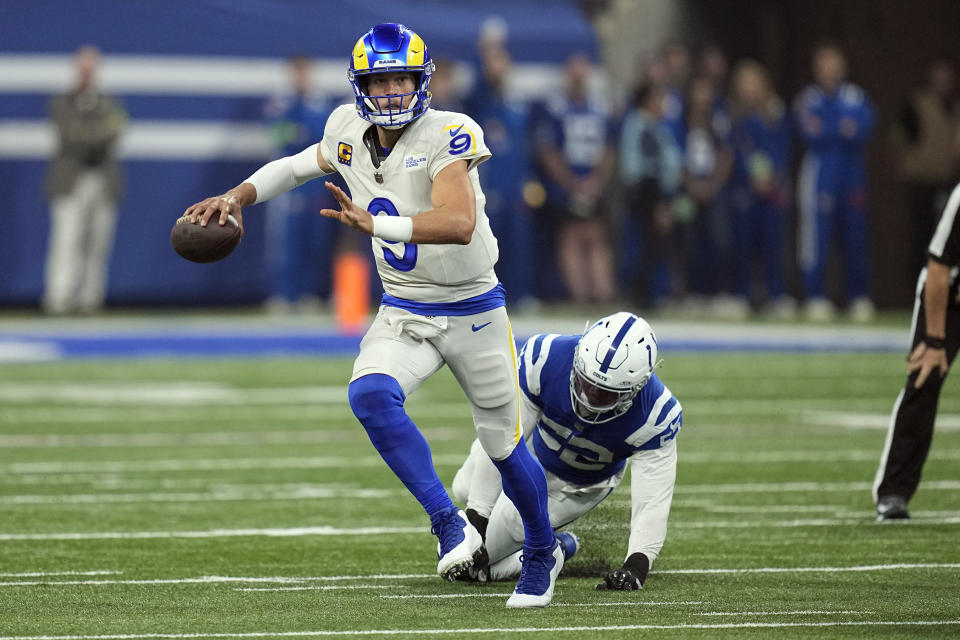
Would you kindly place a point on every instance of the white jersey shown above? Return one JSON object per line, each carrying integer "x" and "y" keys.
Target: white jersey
{"x": 428, "y": 272}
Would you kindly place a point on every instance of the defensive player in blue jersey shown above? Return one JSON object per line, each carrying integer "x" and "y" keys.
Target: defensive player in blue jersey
{"x": 835, "y": 119}
{"x": 590, "y": 403}
{"x": 414, "y": 188}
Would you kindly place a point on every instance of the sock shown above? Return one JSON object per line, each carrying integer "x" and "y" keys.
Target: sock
{"x": 526, "y": 486}
{"x": 377, "y": 401}
{"x": 507, "y": 569}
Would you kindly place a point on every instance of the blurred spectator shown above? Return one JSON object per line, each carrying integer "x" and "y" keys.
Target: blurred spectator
{"x": 443, "y": 90}
{"x": 676, "y": 63}
{"x": 835, "y": 119}
{"x": 712, "y": 65}
{"x": 504, "y": 124}
{"x": 84, "y": 185}
{"x": 761, "y": 140}
{"x": 572, "y": 138}
{"x": 708, "y": 161}
{"x": 926, "y": 137}
{"x": 651, "y": 170}
{"x": 299, "y": 243}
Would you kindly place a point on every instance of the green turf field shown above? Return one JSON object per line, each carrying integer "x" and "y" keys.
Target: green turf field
{"x": 240, "y": 499}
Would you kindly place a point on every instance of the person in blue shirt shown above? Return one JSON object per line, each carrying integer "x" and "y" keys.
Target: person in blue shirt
{"x": 835, "y": 120}
{"x": 573, "y": 148}
{"x": 300, "y": 249}
{"x": 590, "y": 404}
{"x": 761, "y": 141}
{"x": 505, "y": 124}
{"x": 708, "y": 162}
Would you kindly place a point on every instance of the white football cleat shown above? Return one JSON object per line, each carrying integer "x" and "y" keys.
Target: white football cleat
{"x": 457, "y": 543}
{"x": 537, "y": 577}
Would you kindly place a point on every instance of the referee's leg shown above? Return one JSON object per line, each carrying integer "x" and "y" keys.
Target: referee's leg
{"x": 914, "y": 412}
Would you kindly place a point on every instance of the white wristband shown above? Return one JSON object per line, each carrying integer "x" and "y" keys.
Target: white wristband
{"x": 393, "y": 228}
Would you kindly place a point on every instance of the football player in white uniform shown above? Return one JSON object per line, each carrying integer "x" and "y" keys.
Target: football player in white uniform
{"x": 590, "y": 403}
{"x": 412, "y": 176}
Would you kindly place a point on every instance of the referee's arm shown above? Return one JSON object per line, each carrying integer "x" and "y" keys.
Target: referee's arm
{"x": 931, "y": 353}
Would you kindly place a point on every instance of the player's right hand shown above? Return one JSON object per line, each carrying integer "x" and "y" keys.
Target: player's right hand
{"x": 350, "y": 214}
{"x": 926, "y": 360}
{"x": 220, "y": 206}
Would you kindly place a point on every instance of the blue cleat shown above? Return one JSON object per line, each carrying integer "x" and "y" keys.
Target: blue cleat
{"x": 537, "y": 577}
{"x": 569, "y": 542}
{"x": 457, "y": 543}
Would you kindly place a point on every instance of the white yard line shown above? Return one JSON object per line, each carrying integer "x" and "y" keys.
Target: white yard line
{"x": 227, "y": 580}
{"x": 680, "y": 527}
{"x": 853, "y": 569}
{"x": 302, "y": 582}
{"x": 246, "y": 438}
{"x": 216, "y": 533}
{"x": 777, "y": 613}
{"x": 496, "y": 630}
{"x": 208, "y": 464}
{"x": 781, "y": 487}
{"x": 323, "y": 587}
{"x": 213, "y": 413}
{"x": 878, "y": 421}
{"x": 227, "y": 495}
{"x": 40, "y": 574}
{"x": 768, "y": 457}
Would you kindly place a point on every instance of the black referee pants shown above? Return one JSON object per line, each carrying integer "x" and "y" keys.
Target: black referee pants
{"x": 911, "y": 425}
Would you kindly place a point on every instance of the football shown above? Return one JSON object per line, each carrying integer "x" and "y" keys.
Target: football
{"x": 205, "y": 244}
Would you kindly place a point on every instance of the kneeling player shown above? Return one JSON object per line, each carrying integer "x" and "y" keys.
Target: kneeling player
{"x": 589, "y": 404}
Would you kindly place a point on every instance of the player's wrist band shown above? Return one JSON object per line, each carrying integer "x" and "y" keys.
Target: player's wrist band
{"x": 935, "y": 343}
{"x": 393, "y": 228}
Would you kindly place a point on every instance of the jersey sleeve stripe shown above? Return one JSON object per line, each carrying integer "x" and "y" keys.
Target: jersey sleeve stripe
{"x": 945, "y": 226}
{"x": 671, "y": 416}
{"x": 534, "y": 360}
{"x": 635, "y": 438}
{"x": 667, "y": 409}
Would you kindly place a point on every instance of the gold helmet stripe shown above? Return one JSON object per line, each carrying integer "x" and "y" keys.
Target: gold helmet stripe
{"x": 360, "y": 61}
{"x": 415, "y": 51}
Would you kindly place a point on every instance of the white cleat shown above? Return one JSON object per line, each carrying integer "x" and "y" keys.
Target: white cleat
{"x": 862, "y": 310}
{"x": 458, "y": 541}
{"x": 537, "y": 578}
{"x": 819, "y": 310}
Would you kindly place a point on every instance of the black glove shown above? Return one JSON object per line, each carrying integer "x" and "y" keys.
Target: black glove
{"x": 629, "y": 577}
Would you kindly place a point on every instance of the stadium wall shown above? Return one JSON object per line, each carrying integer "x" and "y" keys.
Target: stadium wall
{"x": 193, "y": 77}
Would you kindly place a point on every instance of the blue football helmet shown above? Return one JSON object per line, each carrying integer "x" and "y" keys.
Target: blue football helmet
{"x": 613, "y": 361}
{"x": 390, "y": 47}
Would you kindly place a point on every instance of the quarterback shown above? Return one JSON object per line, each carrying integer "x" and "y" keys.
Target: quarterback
{"x": 590, "y": 404}
{"x": 412, "y": 176}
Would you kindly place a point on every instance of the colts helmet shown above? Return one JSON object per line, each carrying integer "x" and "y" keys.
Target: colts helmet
{"x": 613, "y": 360}
{"x": 390, "y": 47}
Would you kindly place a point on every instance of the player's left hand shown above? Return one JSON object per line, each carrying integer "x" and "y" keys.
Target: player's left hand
{"x": 350, "y": 214}
{"x": 926, "y": 360}
{"x": 622, "y": 579}
{"x": 629, "y": 577}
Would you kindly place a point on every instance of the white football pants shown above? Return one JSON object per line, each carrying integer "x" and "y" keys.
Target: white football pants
{"x": 82, "y": 225}
{"x": 480, "y": 351}
{"x": 566, "y": 502}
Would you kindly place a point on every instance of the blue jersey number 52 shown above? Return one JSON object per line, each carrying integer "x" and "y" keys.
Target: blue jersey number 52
{"x": 409, "y": 259}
